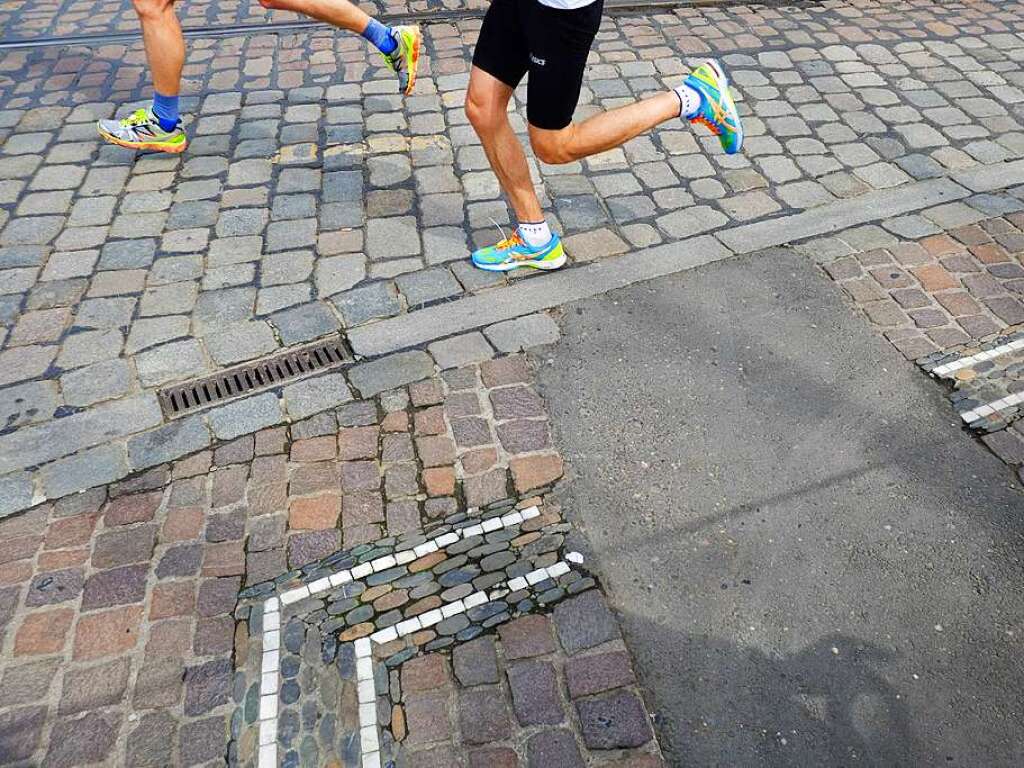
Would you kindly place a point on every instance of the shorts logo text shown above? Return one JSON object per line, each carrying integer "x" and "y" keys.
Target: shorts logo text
{"x": 537, "y": 61}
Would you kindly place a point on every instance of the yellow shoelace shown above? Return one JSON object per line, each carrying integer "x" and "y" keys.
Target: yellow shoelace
{"x": 138, "y": 117}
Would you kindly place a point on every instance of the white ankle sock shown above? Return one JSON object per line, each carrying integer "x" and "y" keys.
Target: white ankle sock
{"x": 689, "y": 101}
{"x": 535, "y": 234}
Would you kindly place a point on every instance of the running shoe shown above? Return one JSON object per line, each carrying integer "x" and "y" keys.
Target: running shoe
{"x": 513, "y": 252}
{"x": 405, "y": 59}
{"x": 717, "y": 108}
{"x": 141, "y": 130}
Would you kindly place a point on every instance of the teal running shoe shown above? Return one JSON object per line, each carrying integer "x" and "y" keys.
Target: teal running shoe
{"x": 513, "y": 252}
{"x": 717, "y": 108}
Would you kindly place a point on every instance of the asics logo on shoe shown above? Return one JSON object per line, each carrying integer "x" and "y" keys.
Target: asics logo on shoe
{"x": 538, "y": 61}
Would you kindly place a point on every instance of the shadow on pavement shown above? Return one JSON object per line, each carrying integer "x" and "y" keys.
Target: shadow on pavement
{"x": 763, "y": 480}
{"x": 826, "y": 704}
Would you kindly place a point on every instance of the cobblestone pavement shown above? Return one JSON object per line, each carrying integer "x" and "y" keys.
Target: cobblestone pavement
{"x": 314, "y": 199}
{"x": 125, "y": 641}
{"x": 28, "y": 19}
{"x": 952, "y": 302}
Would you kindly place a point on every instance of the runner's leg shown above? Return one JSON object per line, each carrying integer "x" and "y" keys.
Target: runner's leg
{"x": 603, "y": 131}
{"x": 400, "y": 46}
{"x": 487, "y": 109}
{"x": 159, "y": 127}
{"x": 702, "y": 98}
{"x": 164, "y": 44}
{"x": 339, "y": 13}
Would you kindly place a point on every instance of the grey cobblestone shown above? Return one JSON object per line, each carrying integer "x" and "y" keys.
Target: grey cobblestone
{"x": 245, "y": 416}
{"x": 387, "y": 373}
{"x": 523, "y": 333}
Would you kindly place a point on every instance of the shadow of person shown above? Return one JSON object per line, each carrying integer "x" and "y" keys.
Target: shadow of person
{"x": 826, "y": 704}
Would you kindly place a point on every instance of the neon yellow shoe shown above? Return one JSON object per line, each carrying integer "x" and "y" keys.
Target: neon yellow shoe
{"x": 141, "y": 131}
{"x": 405, "y": 59}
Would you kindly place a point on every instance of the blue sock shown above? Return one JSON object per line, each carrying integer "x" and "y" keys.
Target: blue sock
{"x": 380, "y": 36}
{"x": 166, "y": 110}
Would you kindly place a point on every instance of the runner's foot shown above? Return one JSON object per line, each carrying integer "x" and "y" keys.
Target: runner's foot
{"x": 141, "y": 130}
{"x": 513, "y": 252}
{"x": 405, "y": 59}
{"x": 717, "y": 109}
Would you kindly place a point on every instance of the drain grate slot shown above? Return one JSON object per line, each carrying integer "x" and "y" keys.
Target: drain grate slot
{"x": 194, "y": 395}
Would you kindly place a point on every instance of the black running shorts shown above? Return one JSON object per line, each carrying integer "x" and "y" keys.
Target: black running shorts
{"x": 520, "y": 36}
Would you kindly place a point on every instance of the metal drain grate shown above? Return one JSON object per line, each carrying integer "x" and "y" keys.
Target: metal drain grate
{"x": 253, "y": 377}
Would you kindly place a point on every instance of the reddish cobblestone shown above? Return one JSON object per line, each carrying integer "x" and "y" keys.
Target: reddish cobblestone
{"x": 175, "y": 598}
{"x": 426, "y": 392}
{"x": 357, "y": 443}
{"x": 125, "y": 510}
{"x": 504, "y": 371}
{"x": 439, "y": 481}
{"x": 427, "y": 717}
{"x": 43, "y": 632}
{"x": 314, "y": 449}
{"x": 425, "y": 673}
{"x": 71, "y": 531}
{"x": 315, "y": 513}
{"x": 429, "y": 421}
{"x": 397, "y": 421}
{"x": 226, "y": 559}
{"x": 527, "y": 637}
{"x": 107, "y": 633}
{"x": 530, "y": 472}
{"x": 182, "y": 524}
{"x": 362, "y": 508}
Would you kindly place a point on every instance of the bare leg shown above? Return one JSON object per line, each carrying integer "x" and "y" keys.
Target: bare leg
{"x": 604, "y": 131}
{"x": 340, "y": 13}
{"x": 164, "y": 43}
{"x": 486, "y": 106}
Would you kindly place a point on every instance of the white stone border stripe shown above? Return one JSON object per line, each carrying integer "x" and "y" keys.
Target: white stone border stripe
{"x": 369, "y": 738}
{"x": 406, "y": 556}
{"x": 270, "y": 660}
{"x": 964, "y": 362}
{"x": 982, "y": 411}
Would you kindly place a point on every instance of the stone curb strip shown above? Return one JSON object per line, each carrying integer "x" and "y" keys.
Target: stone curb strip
{"x": 420, "y": 327}
{"x": 112, "y": 445}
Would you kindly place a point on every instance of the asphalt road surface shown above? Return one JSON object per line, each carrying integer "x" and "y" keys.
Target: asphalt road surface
{"x": 815, "y": 565}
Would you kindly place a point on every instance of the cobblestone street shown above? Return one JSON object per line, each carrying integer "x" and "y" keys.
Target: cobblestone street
{"x": 143, "y": 553}
{"x": 314, "y": 199}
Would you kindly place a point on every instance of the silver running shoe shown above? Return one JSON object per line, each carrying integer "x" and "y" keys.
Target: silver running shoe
{"x": 141, "y": 130}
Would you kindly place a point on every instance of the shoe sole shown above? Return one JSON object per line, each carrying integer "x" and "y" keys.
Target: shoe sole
{"x": 417, "y": 41}
{"x": 545, "y": 266}
{"x": 171, "y": 149}
{"x": 739, "y": 123}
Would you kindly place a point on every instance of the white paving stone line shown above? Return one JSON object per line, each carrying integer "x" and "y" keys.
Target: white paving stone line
{"x": 369, "y": 738}
{"x": 270, "y": 662}
{"x": 1002, "y": 404}
{"x": 965, "y": 362}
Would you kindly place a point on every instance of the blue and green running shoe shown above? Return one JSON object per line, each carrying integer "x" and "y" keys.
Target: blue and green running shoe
{"x": 717, "y": 108}
{"x": 513, "y": 252}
